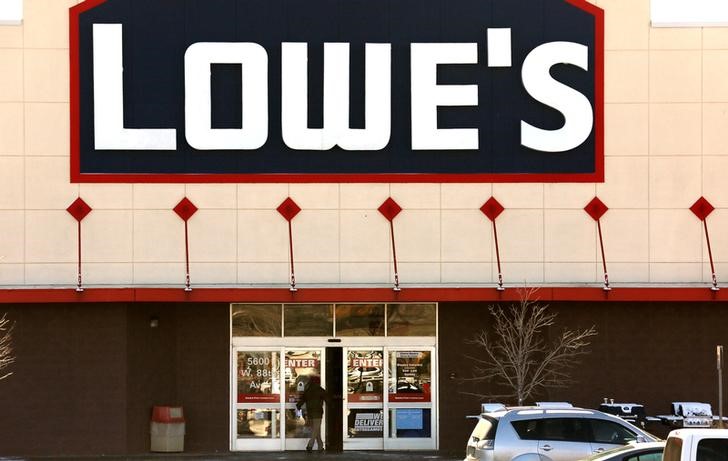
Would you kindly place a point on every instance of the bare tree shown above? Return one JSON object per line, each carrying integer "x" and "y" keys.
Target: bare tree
{"x": 516, "y": 356}
{"x": 6, "y": 345}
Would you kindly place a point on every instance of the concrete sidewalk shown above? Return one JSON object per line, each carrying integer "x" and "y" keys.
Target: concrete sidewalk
{"x": 262, "y": 456}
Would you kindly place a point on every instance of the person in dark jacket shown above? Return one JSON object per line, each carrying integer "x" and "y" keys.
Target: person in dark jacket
{"x": 314, "y": 397}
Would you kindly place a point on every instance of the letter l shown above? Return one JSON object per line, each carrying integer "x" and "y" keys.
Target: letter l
{"x": 109, "y": 131}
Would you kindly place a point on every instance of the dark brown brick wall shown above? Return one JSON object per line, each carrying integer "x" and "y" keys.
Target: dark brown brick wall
{"x": 67, "y": 393}
{"x": 203, "y": 376}
{"x": 87, "y": 376}
{"x": 649, "y": 353}
{"x": 151, "y": 377}
{"x": 185, "y": 362}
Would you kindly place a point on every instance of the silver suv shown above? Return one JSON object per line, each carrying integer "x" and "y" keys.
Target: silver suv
{"x": 548, "y": 433}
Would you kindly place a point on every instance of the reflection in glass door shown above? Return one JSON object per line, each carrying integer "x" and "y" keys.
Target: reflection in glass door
{"x": 257, "y": 388}
{"x": 300, "y": 366}
{"x": 364, "y": 399}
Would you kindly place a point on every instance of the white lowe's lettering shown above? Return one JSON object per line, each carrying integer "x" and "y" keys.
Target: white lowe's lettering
{"x": 576, "y": 108}
{"x": 109, "y": 131}
{"x": 426, "y": 96}
{"x": 198, "y": 96}
{"x": 336, "y": 131}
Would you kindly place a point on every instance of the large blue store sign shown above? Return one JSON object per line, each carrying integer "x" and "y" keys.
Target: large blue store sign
{"x": 336, "y": 91}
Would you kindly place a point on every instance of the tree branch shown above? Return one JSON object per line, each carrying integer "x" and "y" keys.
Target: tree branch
{"x": 6, "y": 345}
{"x": 515, "y": 355}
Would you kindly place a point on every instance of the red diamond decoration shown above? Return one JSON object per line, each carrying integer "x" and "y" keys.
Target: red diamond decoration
{"x": 185, "y": 209}
{"x": 390, "y": 209}
{"x": 702, "y": 208}
{"x": 79, "y": 209}
{"x": 492, "y": 208}
{"x": 596, "y": 208}
{"x": 288, "y": 209}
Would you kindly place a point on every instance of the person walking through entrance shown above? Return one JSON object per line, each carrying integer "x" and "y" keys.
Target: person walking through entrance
{"x": 314, "y": 397}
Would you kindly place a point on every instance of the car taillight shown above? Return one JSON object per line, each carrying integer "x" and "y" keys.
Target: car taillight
{"x": 486, "y": 444}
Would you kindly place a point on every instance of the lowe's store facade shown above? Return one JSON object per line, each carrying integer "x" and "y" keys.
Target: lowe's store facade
{"x": 205, "y": 203}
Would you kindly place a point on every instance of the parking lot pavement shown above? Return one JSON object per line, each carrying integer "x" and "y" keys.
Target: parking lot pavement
{"x": 261, "y": 456}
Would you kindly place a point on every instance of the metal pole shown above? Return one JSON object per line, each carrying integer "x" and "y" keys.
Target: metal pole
{"x": 79, "y": 287}
{"x": 394, "y": 256}
{"x": 187, "y": 260}
{"x": 497, "y": 255}
{"x": 604, "y": 261}
{"x": 710, "y": 255}
{"x": 719, "y": 357}
{"x": 290, "y": 246}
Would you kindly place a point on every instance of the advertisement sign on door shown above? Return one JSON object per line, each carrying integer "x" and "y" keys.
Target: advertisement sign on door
{"x": 410, "y": 376}
{"x": 365, "y": 376}
{"x": 365, "y": 423}
{"x": 301, "y": 365}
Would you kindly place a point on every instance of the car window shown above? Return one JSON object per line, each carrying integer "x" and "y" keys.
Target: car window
{"x": 527, "y": 429}
{"x": 610, "y": 432}
{"x": 485, "y": 429}
{"x": 646, "y": 456}
{"x": 563, "y": 429}
{"x": 712, "y": 450}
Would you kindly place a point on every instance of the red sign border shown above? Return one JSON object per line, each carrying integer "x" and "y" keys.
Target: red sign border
{"x": 190, "y": 178}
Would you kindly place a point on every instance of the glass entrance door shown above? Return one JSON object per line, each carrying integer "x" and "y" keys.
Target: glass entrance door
{"x": 381, "y": 374}
{"x": 410, "y": 410}
{"x": 403, "y": 417}
{"x": 265, "y": 416}
{"x": 301, "y": 366}
{"x": 257, "y": 392}
{"x": 364, "y": 399}
{"x": 399, "y": 415}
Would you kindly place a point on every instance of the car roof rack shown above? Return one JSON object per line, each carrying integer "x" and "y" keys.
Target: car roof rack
{"x": 554, "y": 405}
{"x": 491, "y": 407}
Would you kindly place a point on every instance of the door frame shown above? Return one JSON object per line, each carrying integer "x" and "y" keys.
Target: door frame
{"x": 282, "y": 442}
{"x": 300, "y": 443}
{"x": 252, "y": 444}
{"x": 432, "y": 442}
{"x": 387, "y": 343}
{"x": 364, "y": 443}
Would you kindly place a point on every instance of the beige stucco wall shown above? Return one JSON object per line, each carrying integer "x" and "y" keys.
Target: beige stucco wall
{"x": 666, "y": 117}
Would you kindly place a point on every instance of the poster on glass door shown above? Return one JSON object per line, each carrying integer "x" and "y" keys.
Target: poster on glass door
{"x": 365, "y": 376}
{"x": 410, "y": 376}
{"x": 301, "y": 365}
{"x": 365, "y": 423}
{"x": 258, "y": 377}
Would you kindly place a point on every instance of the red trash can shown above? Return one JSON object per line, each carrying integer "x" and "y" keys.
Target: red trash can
{"x": 167, "y": 429}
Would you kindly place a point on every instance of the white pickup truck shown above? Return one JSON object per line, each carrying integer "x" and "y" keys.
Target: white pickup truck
{"x": 697, "y": 445}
